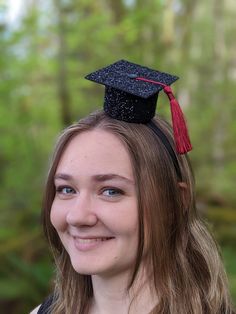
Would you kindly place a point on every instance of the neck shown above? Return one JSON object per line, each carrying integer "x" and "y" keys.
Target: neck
{"x": 112, "y": 296}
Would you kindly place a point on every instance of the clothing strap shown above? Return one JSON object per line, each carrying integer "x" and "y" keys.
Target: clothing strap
{"x": 45, "y": 306}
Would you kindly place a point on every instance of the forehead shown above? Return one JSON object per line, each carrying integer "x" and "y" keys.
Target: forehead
{"x": 98, "y": 150}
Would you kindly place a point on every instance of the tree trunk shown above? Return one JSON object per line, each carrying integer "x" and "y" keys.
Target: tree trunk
{"x": 62, "y": 76}
{"x": 220, "y": 78}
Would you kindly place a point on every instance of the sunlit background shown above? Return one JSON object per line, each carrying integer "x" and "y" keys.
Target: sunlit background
{"x": 46, "y": 49}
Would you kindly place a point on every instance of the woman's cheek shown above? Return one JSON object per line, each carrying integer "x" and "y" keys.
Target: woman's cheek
{"x": 58, "y": 217}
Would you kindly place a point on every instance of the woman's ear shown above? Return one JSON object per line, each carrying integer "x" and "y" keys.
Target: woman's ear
{"x": 184, "y": 193}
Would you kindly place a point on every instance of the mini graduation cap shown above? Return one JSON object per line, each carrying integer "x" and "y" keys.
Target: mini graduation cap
{"x": 131, "y": 93}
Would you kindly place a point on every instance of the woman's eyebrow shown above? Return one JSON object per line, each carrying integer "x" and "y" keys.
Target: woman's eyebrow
{"x": 111, "y": 176}
{"x": 97, "y": 177}
{"x": 62, "y": 176}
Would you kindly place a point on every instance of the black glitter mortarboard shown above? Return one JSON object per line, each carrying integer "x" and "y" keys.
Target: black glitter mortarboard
{"x": 126, "y": 98}
{"x": 131, "y": 93}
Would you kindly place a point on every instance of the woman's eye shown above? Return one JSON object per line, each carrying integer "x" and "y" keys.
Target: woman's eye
{"x": 112, "y": 192}
{"x": 65, "y": 190}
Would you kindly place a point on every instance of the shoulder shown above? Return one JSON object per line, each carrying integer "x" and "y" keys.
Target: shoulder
{"x": 35, "y": 311}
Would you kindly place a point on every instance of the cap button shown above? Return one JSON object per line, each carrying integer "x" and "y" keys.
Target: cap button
{"x": 132, "y": 75}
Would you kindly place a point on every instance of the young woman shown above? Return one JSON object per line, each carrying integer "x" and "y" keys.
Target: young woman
{"x": 119, "y": 214}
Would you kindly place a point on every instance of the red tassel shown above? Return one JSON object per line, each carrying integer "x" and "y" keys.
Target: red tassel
{"x": 182, "y": 141}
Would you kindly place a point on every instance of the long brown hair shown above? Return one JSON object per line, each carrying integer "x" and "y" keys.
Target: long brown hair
{"x": 186, "y": 270}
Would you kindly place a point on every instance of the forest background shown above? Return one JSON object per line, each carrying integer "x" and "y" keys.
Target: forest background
{"x": 44, "y": 56}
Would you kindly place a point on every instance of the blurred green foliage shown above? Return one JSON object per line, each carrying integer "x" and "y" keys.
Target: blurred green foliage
{"x": 229, "y": 257}
{"x": 44, "y": 56}
{"x": 224, "y": 224}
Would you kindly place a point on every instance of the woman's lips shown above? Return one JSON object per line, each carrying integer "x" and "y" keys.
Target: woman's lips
{"x": 85, "y": 244}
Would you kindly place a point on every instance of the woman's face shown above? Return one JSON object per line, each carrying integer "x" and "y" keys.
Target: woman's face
{"x": 95, "y": 207}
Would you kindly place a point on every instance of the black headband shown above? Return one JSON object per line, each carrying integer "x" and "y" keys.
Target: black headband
{"x": 167, "y": 145}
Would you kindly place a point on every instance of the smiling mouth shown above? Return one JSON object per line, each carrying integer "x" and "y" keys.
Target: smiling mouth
{"x": 87, "y": 244}
{"x": 92, "y": 240}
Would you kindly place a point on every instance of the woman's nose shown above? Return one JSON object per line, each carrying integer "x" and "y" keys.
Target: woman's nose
{"x": 81, "y": 212}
